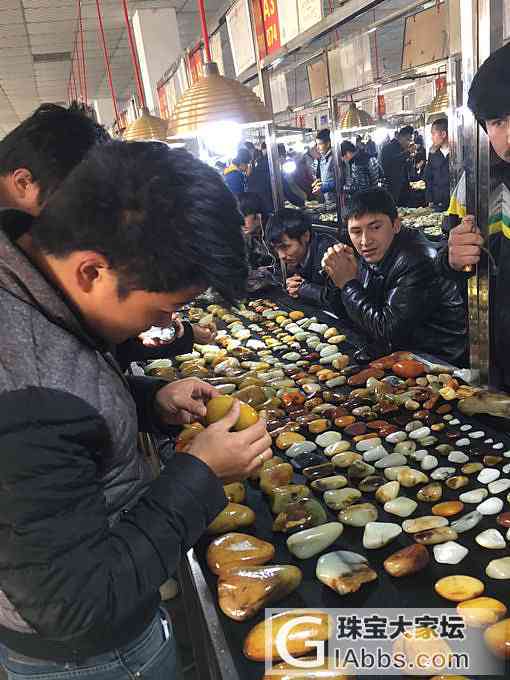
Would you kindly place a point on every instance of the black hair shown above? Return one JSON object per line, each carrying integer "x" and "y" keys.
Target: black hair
{"x": 489, "y": 94}
{"x": 164, "y": 220}
{"x": 371, "y": 202}
{"x": 441, "y": 124}
{"x": 347, "y": 146}
{"x": 243, "y": 157}
{"x": 406, "y": 131}
{"x": 282, "y": 150}
{"x": 249, "y": 203}
{"x": 250, "y": 146}
{"x": 50, "y": 143}
{"x": 287, "y": 221}
{"x": 324, "y": 136}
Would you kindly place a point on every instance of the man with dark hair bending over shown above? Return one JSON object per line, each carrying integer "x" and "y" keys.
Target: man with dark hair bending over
{"x": 388, "y": 286}
{"x": 300, "y": 250}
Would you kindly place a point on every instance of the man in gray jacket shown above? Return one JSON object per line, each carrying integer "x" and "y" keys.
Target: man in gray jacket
{"x": 87, "y": 535}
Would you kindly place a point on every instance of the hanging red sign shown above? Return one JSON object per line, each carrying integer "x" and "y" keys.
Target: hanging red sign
{"x": 258, "y": 20}
{"x": 381, "y": 106}
{"x": 271, "y": 25}
{"x": 163, "y": 104}
{"x": 196, "y": 65}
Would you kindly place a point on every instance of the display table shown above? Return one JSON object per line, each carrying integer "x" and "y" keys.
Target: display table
{"x": 218, "y": 640}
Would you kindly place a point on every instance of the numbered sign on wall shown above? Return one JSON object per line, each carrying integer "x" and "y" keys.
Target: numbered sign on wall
{"x": 240, "y": 36}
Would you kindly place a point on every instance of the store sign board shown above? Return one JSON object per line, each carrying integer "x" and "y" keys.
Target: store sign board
{"x": 350, "y": 65}
{"x": 217, "y": 51}
{"x": 271, "y": 25}
{"x": 279, "y": 93}
{"x": 318, "y": 79}
{"x": 426, "y": 37}
{"x": 310, "y": 12}
{"x": 289, "y": 20}
{"x": 240, "y": 36}
{"x": 260, "y": 31}
{"x": 163, "y": 106}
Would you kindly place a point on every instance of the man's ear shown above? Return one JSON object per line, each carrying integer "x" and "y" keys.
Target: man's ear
{"x": 91, "y": 268}
{"x": 22, "y": 182}
{"x": 397, "y": 225}
{"x": 307, "y": 237}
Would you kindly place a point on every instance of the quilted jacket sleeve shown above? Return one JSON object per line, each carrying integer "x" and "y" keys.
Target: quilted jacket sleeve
{"x": 61, "y": 565}
{"x": 406, "y": 303}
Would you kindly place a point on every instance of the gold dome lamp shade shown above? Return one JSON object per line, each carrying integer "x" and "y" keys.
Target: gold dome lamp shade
{"x": 440, "y": 103}
{"x": 215, "y": 99}
{"x": 146, "y": 127}
{"x": 355, "y": 119}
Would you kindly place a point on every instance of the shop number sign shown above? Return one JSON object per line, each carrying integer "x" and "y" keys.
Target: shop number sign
{"x": 271, "y": 25}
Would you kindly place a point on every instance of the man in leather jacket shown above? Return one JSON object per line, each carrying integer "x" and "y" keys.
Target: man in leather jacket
{"x": 391, "y": 291}
{"x": 489, "y": 99}
{"x": 300, "y": 250}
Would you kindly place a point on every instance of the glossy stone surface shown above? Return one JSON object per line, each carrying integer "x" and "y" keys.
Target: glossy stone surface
{"x": 413, "y": 526}
{"x": 488, "y": 475}
{"x": 490, "y": 506}
{"x": 306, "y": 460}
{"x": 481, "y": 611}
{"x": 471, "y": 468}
{"x": 343, "y": 571}
{"x": 329, "y": 483}
{"x": 450, "y": 552}
{"x": 318, "y": 471}
{"x": 262, "y": 637}
{"x": 467, "y": 522}
{"x": 410, "y": 478}
{"x": 286, "y": 439}
{"x": 388, "y": 492}
{"x": 282, "y": 497}
{"x": 233, "y": 517}
{"x": 235, "y": 492}
{"x": 497, "y": 639}
{"x": 318, "y": 426}
{"x": 407, "y": 561}
{"x": 402, "y": 506}
{"x": 341, "y": 498}
{"x": 303, "y": 514}
{"x": 299, "y": 448}
{"x": 474, "y": 497}
{"x": 328, "y": 438}
{"x": 358, "y": 515}
{"x": 429, "y": 462}
{"x": 499, "y": 486}
{"x": 368, "y": 444}
{"x": 310, "y": 542}
{"x": 336, "y": 448}
{"x": 374, "y": 454}
{"x": 379, "y": 534}
{"x": 218, "y": 407}
{"x": 492, "y": 539}
{"x": 371, "y": 483}
{"x": 279, "y": 475}
{"x": 504, "y": 519}
{"x": 457, "y": 482}
{"x": 359, "y": 470}
{"x": 436, "y": 536}
{"x": 448, "y": 508}
{"x": 442, "y": 473}
{"x": 392, "y": 473}
{"x": 345, "y": 459}
{"x": 393, "y": 460}
{"x": 234, "y": 549}
{"x": 244, "y": 591}
{"x": 499, "y": 569}
{"x": 459, "y": 588}
{"x": 430, "y": 493}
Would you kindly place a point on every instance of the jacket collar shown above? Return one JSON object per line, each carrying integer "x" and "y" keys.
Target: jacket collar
{"x": 23, "y": 280}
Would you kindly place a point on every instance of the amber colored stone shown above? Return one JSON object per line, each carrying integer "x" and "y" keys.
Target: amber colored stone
{"x": 305, "y": 419}
{"x": 377, "y": 424}
{"x": 289, "y": 398}
{"x": 344, "y": 421}
{"x": 362, "y": 437}
{"x": 287, "y": 438}
{"x": 244, "y": 591}
{"x": 444, "y": 409}
{"x": 303, "y": 514}
{"x": 457, "y": 482}
{"x": 356, "y": 429}
{"x": 448, "y": 508}
{"x": 492, "y": 460}
{"x": 387, "y": 362}
{"x": 233, "y": 517}
{"x": 279, "y": 475}
{"x": 504, "y": 519}
{"x": 315, "y": 368}
{"x": 407, "y": 561}
{"x": 459, "y": 588}
{"x": 408, "y": 368}
{"x": 482, "y": 611}
{"x": 318, "y": 426}
{"x": 438, "y": 427}
{"x": 235, "y": 549}
{"x": 471, "y": 468}
{"x": 296, "y": 315}
{"x": 235, "y": 492}
{"x": 362, "y": 377}
{"x": 388, "y": 429}
{"x": 497, "y": 639}
{"x": 258, "y": 646}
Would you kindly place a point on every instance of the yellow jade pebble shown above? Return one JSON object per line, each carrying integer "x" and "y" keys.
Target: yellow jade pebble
{"x": 296, "y": 315}
{"x": 482, "y": 611}
{"x": 286, "y": 439}
{"x": 218, "y": 407}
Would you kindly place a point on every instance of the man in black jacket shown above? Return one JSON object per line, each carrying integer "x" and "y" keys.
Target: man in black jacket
{"x": 489, "y": 99}
{"x": 394, "y": 162}
{"x": 87, "y": 535}
{"x": 437, "y": 170}
{"x": 300, "y": 250}
{"x": 392, "y": 293}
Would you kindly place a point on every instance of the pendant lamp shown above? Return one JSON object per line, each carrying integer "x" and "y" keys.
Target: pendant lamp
{"x": 215, "y": 99}
{"x": 440, "y": 103}
{"x": 355, "y": 119}
{"x": 146, "y": 126}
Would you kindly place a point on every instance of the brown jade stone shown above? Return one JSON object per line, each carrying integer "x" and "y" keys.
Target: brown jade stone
{"x": 356, "y": 429}
{"x": 436, "y": 536}
{"x": 388, "y": 429}
{"x": 344, "y": 421}
{"x": 339, "y": 412}
{"x": 235, "y": 549}
{"x": 448, "y": 508}
{"x": 492, "y": 460}
{"x": 362, "y": 377}
{"x": 407, "y": 561}
{"x": 319, "y": 471}
{"x": 377, "y": 424}
{"x": 504, "y": 519}
{"x": 457, "y": 482}
{"x": 362, "y": 437}
{"x": 471, "y": 468}
{"x": 306, "y": 418}
{"x": 444, "y": 409}
{"x": 318, "y": 426}
{"x": 408, "y": 368}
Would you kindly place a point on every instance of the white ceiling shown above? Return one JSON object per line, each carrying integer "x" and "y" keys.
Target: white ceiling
{"x": 40, "y": 28}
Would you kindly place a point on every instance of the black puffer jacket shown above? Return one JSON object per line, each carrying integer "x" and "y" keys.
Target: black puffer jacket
{"x": 393, "y": 160}
{"x": 402, "y": 303}
{"x": 87, "y": 535}
{"x": 437, "y": 179}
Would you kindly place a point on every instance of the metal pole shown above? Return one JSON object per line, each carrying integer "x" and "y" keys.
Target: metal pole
{"x": 334, "y": 146}
{"x": 205, "y": 34}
